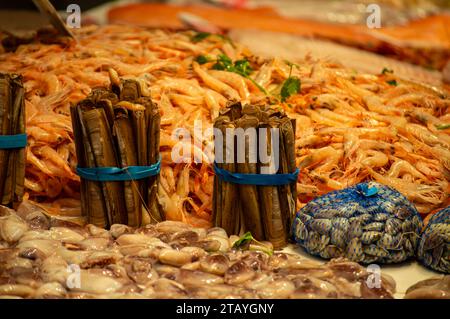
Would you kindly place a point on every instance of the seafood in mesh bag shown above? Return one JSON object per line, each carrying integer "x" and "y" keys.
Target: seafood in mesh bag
{"x": 351, "y": 127}
{"x": 434, "y": 245}
{"x": 433, "y": 288}
{"x": 366, "y": 223}
{"x": 44, "y": 257}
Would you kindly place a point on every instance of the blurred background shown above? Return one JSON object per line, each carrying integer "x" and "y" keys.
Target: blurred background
{"x": 338, "y": 11}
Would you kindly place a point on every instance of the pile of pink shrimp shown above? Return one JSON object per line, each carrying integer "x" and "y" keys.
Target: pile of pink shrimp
{"x": 350, "y": 127}
{"x": 356, "y": 127}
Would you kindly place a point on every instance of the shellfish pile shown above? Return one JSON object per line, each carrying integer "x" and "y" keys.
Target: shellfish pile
{"x": 42, "y": 257}
{"x": 351, "y": 127}
{"x": 434, "y": 245}
{"x": 433, "y": 288}
{"x": 366, "y": 223}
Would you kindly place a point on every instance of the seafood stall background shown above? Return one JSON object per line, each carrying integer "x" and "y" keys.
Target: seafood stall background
{"x": 360, "y": 116}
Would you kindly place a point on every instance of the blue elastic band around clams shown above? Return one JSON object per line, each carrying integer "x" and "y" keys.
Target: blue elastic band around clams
{"x": 13, "y": 141}
{"x": 114, "y": 174}
{"x": 256, "y": 179}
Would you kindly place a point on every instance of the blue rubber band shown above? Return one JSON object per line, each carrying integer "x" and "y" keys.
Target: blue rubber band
{"x": 256, "y": 179}
{"x": 366, "y": 191}
{"x": 114, "y": 174}
{"x": 13, "y": 141}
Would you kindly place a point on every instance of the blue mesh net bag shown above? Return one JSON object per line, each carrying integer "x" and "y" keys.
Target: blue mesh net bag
{"x": 434, "y": 245}
{"x": 366, "y": 223}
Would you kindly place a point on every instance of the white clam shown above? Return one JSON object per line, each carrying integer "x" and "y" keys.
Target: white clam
{"x": 16, "y": 290}
{"x": 46, "y": 246}
{"x": 65, "y": 234}
{"x": 12, "y": 228}
{"x": 174, "y": 257}
{"x": 56, "y": 269}
{"x": 97, "y": 284}
{"x": 50, "y": 290}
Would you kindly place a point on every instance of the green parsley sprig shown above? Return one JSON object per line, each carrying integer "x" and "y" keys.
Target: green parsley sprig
{"x": 392, "y": 82}
{"x": 202, "y": 59}
{"x": 246, "y": 242}
{"x": 442, "y": 126}
{"x": 386, "y": 70}
{"x": 241, "y": 67}
{"x": 291, "y": 85}
{"x": 200, "y": 36}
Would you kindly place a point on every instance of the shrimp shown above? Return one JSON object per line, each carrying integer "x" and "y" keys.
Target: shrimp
{"x": 349, "y": 126}
{"x": 131, "y": 106}
{"x": 428, "y": 169}
{"x": 183, "y": 45}
{"x": 168, "y": 179}
{"x": 192, "y": 100}
{"x": 309, "y": 140}
{"x": 375, "y": 104}
{"x": 50, "y": 80}
{"x": 57, "y": 120}
{"x": 375, "y": 145}
{"x": 423, "y": 193}
{"x": 330, "y": 183}
{"x": 316, "y": 117}
{"x": 215, "y": 84}
{"x": 410, "y": 97}
{"x": 264, "y": 75}
{"x": 93, "y": 79}
{"x": 50, "y": 154}
{"x": 187, "y": 87}
{"x": 422, "y": 133}
{"x": 351, "y": 143}
{"x": 338, "y": 117}
{"x": 183, "y": 182}
{"x": 44, "y": 136}
{"x": 166, "y": 140}
{"x": 63, "y": 151}
{"x": 443, "y": 155}
{"x": 378, "y": 133}
{"x": 37, "y": 162}
{"x": 170, "y": 205}
{"x": 234, "y": 80}
{"x": 374, "y": 159}
{"x": 128, "y": 69}
{"x": 229, "y": 50}
{"x": 327, "y": 157}
{"x": 33, "y": 185}
{"x": 212, "y": 104}
{"x": 113, "y": 77}
{"x": 401, "y": 166}
{"x": 173, "y": 204}
{"x": 332, "y": 101}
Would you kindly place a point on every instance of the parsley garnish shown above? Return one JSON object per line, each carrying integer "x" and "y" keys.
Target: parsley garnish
{"x": 386, "y": 70}
{"x": 201, "y": 59}
{"x": 200, "y": 36}
{"x": 392, "y": 82}
{"x": 290, "y": 86}
{"x": 244, "y": 242}
{"x": 224, "y": 63}
{"x": 291, "y": 64}
{"x": 241, "y": 67}
{"x": 442, "y": 126}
